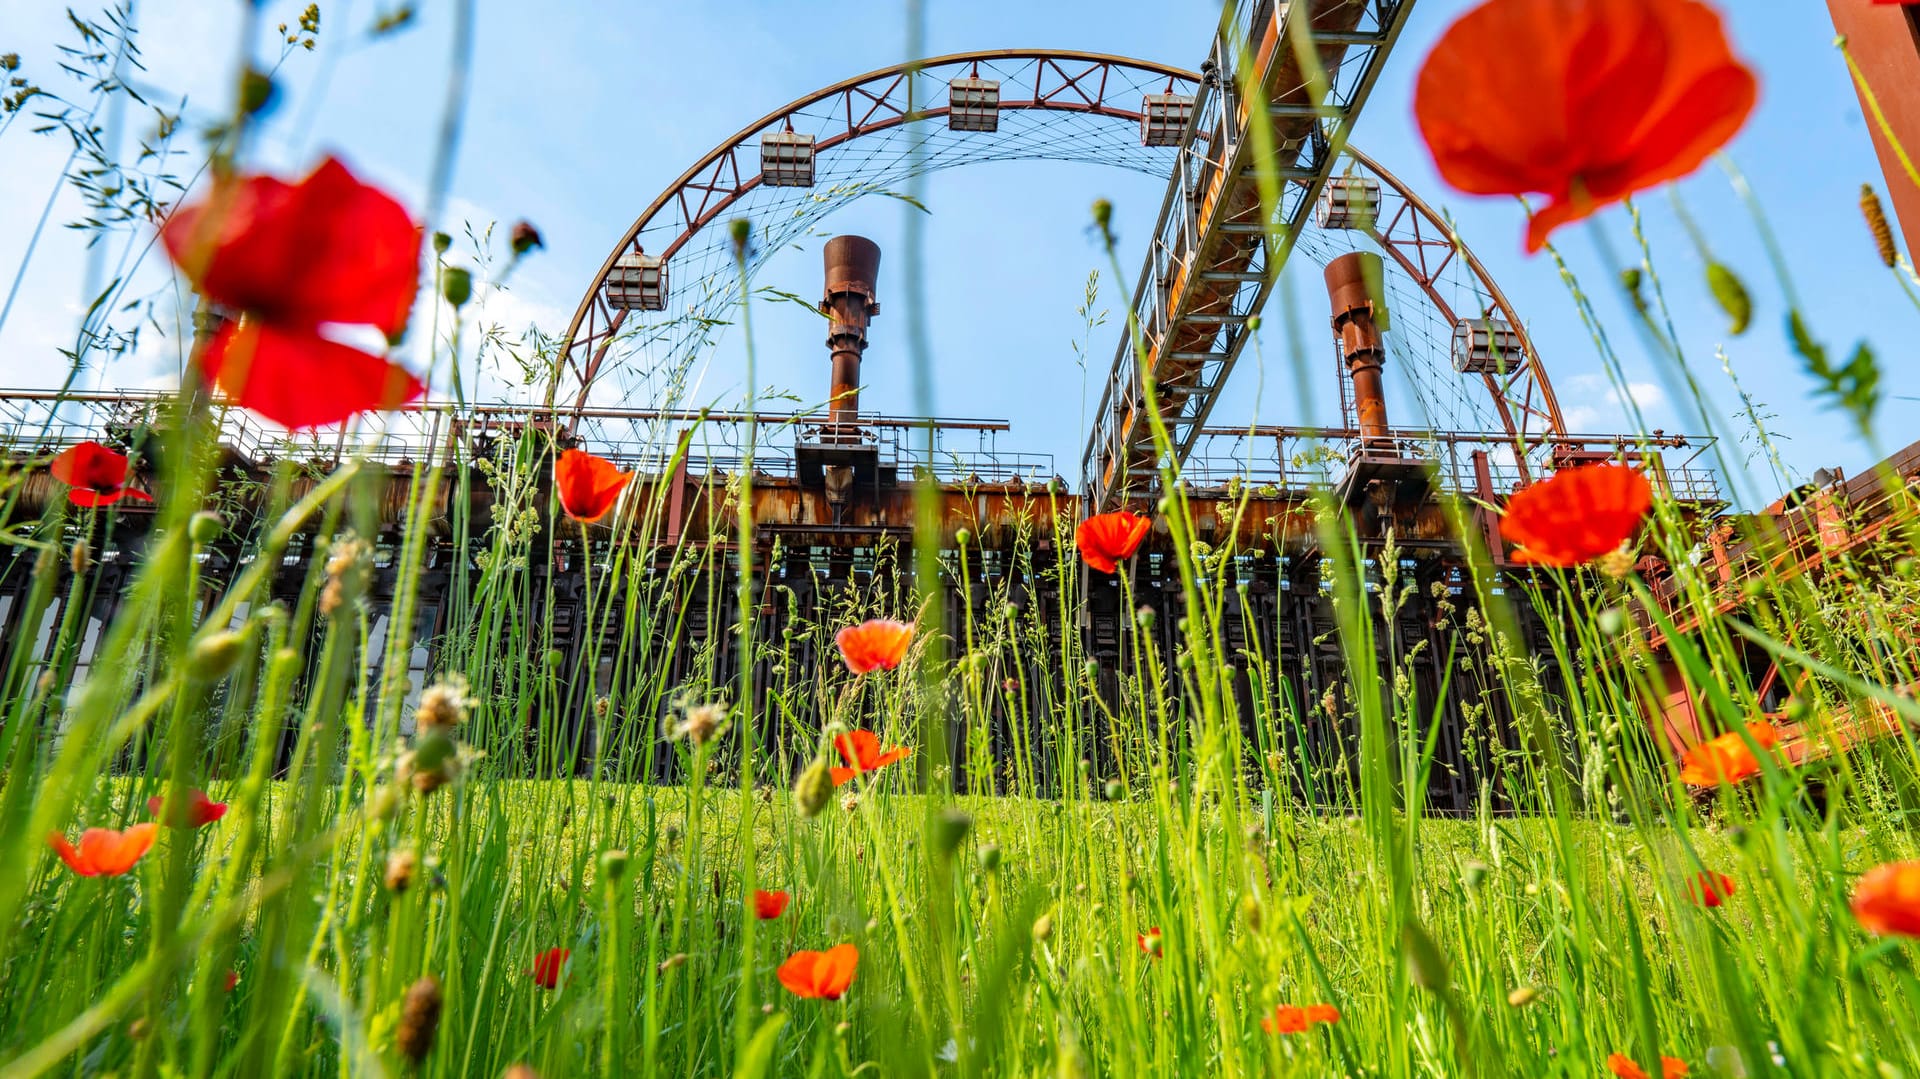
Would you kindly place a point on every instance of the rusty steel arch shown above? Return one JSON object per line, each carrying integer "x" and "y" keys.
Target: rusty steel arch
{"x": 1421, "y": 243}
{"x": 1061, "y": 83}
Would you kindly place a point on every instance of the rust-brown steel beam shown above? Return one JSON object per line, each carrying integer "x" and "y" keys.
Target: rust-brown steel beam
{"x": 1884, "y": 40}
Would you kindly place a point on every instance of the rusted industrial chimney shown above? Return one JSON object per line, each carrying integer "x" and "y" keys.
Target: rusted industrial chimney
{"x": 853, "y": 266}
{"x": 1355, "y": 286}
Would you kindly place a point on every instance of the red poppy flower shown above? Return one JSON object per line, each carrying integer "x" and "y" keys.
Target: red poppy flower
{"x": 1322, "y": 1013}
{"x": 104, "y": 852}
{"x": 1577, "y": 514}
{"x": 874, "y": 645}
{"x": 97, "y": 475}
{"x": 1149, "y": 941}
{"x": 1726, "y": 759}
{"x": 820, "y": 975}
{"x": 292, "y": 258}
{"x": 1590, "y": 101}
{"x": 198, "y": 810}
{"x": 1104, "y": 540}
{"x": 769, "y": 905}
{"x": 588, "y": 486}
{"x": 1887, "y": 899}
{"x": 861, "y": 750}
{"x": 1710, "y": 889}
{"x": 1623, "y": 1066}
{"x": 1286, "y": 1019}
{"x": 547, "y": 966}
{"x": 232, "y": 979}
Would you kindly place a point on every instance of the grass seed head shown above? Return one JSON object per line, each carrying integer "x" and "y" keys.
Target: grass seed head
{"x": 419, "y": 1019}
{"x": 401, "y": 865}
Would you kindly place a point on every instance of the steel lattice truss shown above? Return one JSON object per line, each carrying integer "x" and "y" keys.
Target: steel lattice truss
{"x": 872, "y": 134}
{"x": 1432, "y": 281}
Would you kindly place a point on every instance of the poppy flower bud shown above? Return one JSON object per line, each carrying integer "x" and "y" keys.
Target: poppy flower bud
{"x": 419, "y": 1019}
{"x": 1115, "y": 790}
{"x": 1523, "y": 996}
{"x": 441, "y": 241}
{"x": 1612, "y": 621}
{"x": 1043, "y": 928}
{"x": 814, "y": 789}
{"x": 213, "y": 656}
{"x": 963, "y": 537}
{"x": 257, "y": 91}
{"x": 80, "y": 558}
{"x": 1103, "y": 214}
{"x": 1250, "y": 910}
{"x": 525, "y": 238}
{"x": 989, "y": 857}
{"x": 1093, "y": 669}
{"x": 555, "y": 658}
{"x": 1475, "y": 874}
{"x": 205, "y": 527}
{"x": 456, "y": 284}
{"x": 613, "y": 865}
{"x": 672, "y": 962}
{"x": 950, "y": 829}
{"x": 1145, "y": 616}
{"x": 401, "y": 865}
{"x": 739, "y": 230}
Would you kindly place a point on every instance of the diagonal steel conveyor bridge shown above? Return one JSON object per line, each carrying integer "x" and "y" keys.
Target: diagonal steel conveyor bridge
{"x": 1217, "y": 248}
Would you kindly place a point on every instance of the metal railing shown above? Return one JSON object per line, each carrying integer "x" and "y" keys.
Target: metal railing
{"x": 1292, "y": 460}
{"x": 962, "y": 450}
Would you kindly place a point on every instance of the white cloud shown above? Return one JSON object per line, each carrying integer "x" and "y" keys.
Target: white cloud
{"x": 1590, "y": 402}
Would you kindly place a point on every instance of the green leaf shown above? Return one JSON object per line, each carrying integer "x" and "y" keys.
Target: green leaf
{"x": 759, "y": 1055}
{"x": 1732, "y": 296}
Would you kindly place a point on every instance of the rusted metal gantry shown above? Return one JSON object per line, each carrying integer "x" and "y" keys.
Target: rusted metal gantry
{"x": 834, "y": 491}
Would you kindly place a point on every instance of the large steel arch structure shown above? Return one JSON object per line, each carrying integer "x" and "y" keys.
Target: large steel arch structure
{"x": 864, "y": 134}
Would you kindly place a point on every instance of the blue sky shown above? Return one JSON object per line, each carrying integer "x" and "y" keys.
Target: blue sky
{"x": 581, "y": 112}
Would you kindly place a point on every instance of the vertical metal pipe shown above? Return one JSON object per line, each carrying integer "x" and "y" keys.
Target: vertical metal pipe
{"x": 1354, "y": 286}
{"x": 852, "y": 268}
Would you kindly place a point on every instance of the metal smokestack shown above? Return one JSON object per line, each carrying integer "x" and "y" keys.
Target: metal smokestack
{"x": 853, "y": 267}
{"x": 1354, "y": 285}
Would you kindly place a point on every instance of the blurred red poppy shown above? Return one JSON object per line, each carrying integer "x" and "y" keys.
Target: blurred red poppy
{"x": 1710, "y": 889}
{"x": 1104, "y": 540}
{"x": 1286, "y": 1019}
{"x": 104, "y": 852}
{"x": 231, "y": 980}
{"x": 97, "y": 475}
{"x": 1577, "y": 514}
{"x": 820, "y": 975}
{"x": 547, "y": 967}
{"x": 1294, "y": 1019}
{"x": 769, "y": 905}
{"x": 1887, "y": 899}
{"x": 1623, "y": 1066}
{"x": 1726, "y": 759}
{"x": 291, "y": 258}
{"x": 588, "y": 486}
{"x": 197, "y": 811}
{"x": 874, "y": 645}
{"x": 861, "y": 750}
{"x": 1589, "y": 101}
{"x": 1149, "y": 941}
